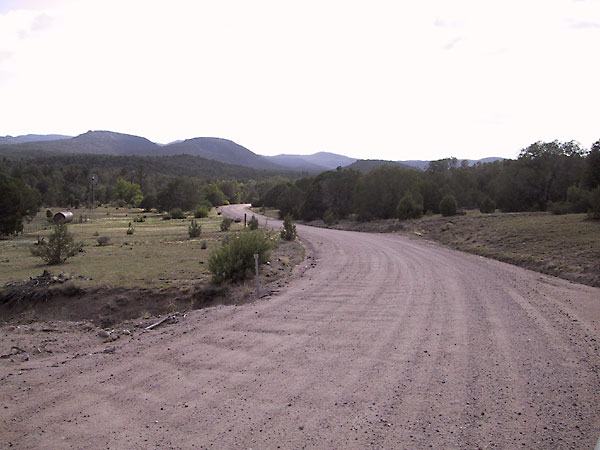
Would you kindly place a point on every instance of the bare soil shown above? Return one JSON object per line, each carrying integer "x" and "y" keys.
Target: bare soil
{"x": 566, "y": 246}
{"x": 380, "y": 341}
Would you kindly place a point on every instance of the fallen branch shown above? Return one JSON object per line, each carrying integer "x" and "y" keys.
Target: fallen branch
{"x": 160, "y": 322}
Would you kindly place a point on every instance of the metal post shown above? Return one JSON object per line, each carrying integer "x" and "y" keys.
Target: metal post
{"x": 244, "y": 220}
{"x": 256, "y": 268}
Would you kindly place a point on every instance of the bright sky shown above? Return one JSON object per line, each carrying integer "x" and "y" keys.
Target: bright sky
{"x": 369, "y": 79}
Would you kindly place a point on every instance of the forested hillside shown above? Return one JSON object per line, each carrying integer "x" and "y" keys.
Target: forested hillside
{"x": 562, "y": 177}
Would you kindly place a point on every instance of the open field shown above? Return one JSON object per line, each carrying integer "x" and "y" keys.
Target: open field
{"x": 158, "y": 254}
{"x": 155, "y": 270}
{"x": 567, "y": 246}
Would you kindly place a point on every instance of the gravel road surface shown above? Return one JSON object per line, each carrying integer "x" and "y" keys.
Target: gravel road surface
{"x": 381, "y": 341}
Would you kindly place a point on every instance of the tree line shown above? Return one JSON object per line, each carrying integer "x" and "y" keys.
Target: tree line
{"x": 558, "y": 176}
{"x": 162, "y": 183}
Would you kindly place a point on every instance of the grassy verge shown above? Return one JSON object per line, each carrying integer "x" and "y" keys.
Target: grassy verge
{"x": 269, "y": 212}
{"x": 567, "y": 246}
{"x": 158, "y": 269}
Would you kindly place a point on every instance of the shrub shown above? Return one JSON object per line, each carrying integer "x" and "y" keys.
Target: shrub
{"x": 594, "y": 199}
{"x": 130, "y": 229}
{"x": 49, "y": 214}
{"x": 235, "y": 259}
{"x": 204, "y": 245}
{"x": 166, "y": 217}
{"x": 448, "y": 205}
{"x": 560, "y": 208}
{"x": 226, "y": 224}
{"x": 139, "y": 219}
{"x": 487, "y": 205}
{"x": 59, "y": 248}
{"x": 177, "y": 213}
{"x": 253, "y": 223}
{"x": 200, "y": 212}
{"x": 194, "y": 229}
{"x": 408, "y": 208}
{"x": 103, "y": 240}
{"x": 578, "y": 198}
{"x": 329, "y": 217}
{"x": 96, "y": 233}
{"x": 288, "y": 231}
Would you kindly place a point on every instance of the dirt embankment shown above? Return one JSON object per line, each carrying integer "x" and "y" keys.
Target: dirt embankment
{"x": 64, "y": 296}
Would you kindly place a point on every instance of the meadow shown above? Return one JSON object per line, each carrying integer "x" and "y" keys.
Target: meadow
{"x": 159, "y": 253}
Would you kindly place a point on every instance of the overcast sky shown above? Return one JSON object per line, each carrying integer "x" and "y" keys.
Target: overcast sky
{"x": 369, "y": 79}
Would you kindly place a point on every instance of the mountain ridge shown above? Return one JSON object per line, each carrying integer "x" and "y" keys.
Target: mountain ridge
{"x": 101, "y": 142}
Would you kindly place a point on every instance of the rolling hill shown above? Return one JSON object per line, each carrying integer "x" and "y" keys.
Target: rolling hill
{"x": 316, "y": 161}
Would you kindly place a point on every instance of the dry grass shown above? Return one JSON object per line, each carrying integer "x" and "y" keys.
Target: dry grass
{"x": 158, "y": 254}
{"x": 567, "y": 246}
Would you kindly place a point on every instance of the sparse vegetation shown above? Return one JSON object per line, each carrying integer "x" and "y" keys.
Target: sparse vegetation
{"x": 226, "y": 224}
{"x": 194, "y": 229}
{"x": 448, "y": 205}
{"x": 59, "y": 248}
{"x": 253, "y": 223}
{"x": 234, "y": 260}
{"x": 201, "y": 212}
{"x": 177, "y": 213}
{"x": 409, "y": 208}
{"x": 288, "y": 232}
{"x": 487, "y": 205}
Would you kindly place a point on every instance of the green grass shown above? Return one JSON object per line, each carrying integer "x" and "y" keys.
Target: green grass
{"x": 158, "y": 254}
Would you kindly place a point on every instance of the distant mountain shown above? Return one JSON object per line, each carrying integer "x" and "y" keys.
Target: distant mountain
{"x": 315, "y": 162}
{"x": 218, "y": 149}
{"x": 366, "y": 165}
{"x": 7, "y": 140}
{"x": 92, "y": 142}
{"x": 416, "y": 163}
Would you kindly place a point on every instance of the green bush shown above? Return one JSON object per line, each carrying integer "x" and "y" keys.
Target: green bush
{"x": 194, "y": 229}
{"x": 200, "y": 212}
{"x": 560, "y": 208}
{"x": 487, "y": 205}
{"x": 408, "y": 208}
{"x": 578, "y": 198}
{"x": 130, "y": 229}
{"x": 253, "y": 223}
{"x": 177, "y": 213}
{"x": 329, "y": 217}
{"x": 226, "y": 224}
{"x": 448, "y": 205}
{"x": 139, "y": 219}
{"x": 235, "y": 259}
{"x": 204, "y": 245}
{"x": 594, "y": 199}
{"x": 166, "y": 217}
{"x": 59, "y": 248}
{"x": 289, "y": 229}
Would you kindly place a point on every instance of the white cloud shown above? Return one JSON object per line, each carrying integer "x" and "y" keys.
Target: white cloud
{"x": 383, "y": 79}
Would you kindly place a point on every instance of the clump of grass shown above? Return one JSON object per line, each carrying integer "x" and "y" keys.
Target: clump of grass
{"x": 194, "y": 229}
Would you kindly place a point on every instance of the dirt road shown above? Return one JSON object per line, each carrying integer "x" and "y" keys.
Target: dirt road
{"x": 382, "y": 342}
